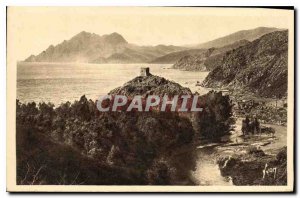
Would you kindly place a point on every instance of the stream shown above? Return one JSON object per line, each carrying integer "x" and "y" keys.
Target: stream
{"x": 207, "y": 171}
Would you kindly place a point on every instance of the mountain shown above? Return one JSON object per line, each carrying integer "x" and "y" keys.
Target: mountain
{"x": 249, "y": 35}
{"x": 83, "y": 47}
{"x": 92, "y": 48}
{"x": 205, "y": 59}
{"x": 113, "y": 48}
{"x": 141, "y": 54}
{"x": 259, "y": 67}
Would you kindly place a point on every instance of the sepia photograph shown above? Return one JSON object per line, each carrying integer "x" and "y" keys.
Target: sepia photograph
{"x": 150, "y": 99}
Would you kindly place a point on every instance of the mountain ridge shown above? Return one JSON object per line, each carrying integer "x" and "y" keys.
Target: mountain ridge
{"x": 113, "y": 48}
{"x": 207, "y": 59}
{"x": 250, "y": 35}
{"x": 259, "y": 67}
{"x": 108, "y": 48}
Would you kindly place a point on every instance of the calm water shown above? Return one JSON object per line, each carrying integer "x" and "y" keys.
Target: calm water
{"x": 61, "y": 82}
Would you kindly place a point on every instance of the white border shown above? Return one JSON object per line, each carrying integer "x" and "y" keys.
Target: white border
{"x": 110, "y": 3}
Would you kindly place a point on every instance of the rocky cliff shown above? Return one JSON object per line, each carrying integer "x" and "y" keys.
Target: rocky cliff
{"x": 259, "y": 67}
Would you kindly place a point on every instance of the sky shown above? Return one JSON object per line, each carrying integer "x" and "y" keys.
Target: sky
{"x": 30, "y": 30}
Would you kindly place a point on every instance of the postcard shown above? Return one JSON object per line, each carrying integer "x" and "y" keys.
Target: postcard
{"x": 150, "y": 99}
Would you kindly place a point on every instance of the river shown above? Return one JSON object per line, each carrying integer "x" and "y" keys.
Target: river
{"x": 207, "y": 171}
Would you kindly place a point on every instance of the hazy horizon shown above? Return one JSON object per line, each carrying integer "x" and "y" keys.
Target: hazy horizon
{"x": 36, "y": 28}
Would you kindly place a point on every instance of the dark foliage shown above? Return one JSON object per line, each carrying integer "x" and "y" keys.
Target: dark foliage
{"x": 56, "y": 144}
{"x": 216, "y": 119}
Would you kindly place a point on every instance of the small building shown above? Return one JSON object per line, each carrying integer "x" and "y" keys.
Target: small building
{"x": 225, "y": 92}
{"x": 145, "y": 71}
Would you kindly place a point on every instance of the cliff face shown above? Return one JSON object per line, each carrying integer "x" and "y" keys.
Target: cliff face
{"x": 206, "y": 59}
{"x": 259, "y": 67}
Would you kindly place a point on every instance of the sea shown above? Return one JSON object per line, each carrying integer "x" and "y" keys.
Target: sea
{"x": 61, "y": 82}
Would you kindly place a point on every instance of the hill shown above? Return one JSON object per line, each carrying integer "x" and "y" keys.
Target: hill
{"x": 259, "y": 67}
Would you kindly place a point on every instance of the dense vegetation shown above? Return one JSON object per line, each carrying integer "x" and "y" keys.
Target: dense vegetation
{"x": 77, "y": 144}
{"x": 128, "y": 140}
{"x": 216, "y": 119}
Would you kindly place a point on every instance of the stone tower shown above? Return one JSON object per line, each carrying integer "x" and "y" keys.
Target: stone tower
{"x": 145, "y": 71}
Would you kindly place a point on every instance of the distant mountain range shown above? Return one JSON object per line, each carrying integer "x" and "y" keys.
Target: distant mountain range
{"x": 113, "y": 48}
{"x": 249, "y": 35}
{"x": 260, "y": 66}
{"x": 92, "y": 48}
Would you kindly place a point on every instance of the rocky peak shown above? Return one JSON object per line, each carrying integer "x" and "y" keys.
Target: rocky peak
{"x": 82, "y": 35}
{"x": 114, "y": 38}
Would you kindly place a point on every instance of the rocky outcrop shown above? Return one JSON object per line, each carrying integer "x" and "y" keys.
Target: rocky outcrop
{"x": 259, "y": 67}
